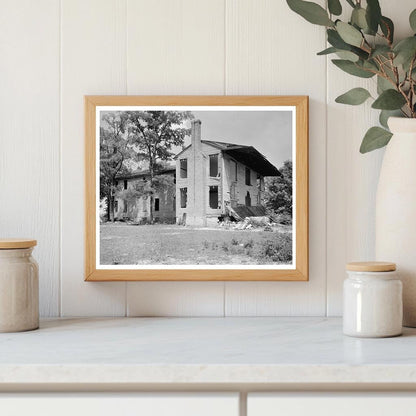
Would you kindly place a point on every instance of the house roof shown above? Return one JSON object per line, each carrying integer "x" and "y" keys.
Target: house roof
{"x": 247, "y": 155}
{"x": 142, "y": 173}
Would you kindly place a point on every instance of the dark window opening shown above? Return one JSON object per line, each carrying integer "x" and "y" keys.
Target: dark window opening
{"x": 125, "y": 184}
{"x": 184, "y": 197}
{"x": 213, "y": 197}
{"x": 116, "y": 205}
{"x": 248, "y": 176}
{"x": 156, "y": 204}
{"x": 248, "y": 199}
{"x": 184, "y": 167}
{"x": 125, "y": 207}
{"x": 213, "y": 166}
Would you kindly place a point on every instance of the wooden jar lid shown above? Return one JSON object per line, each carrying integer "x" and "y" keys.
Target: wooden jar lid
{"x": 371, "y": 266}
{"x": 13, "y": 243}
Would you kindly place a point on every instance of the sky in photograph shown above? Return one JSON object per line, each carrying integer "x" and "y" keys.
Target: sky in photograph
{"x": 270, "y": 132}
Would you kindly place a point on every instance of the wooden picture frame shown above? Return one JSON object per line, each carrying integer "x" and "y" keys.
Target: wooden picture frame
{"x": 297, "y": 271}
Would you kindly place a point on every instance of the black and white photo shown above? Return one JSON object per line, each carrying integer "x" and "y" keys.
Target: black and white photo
{"x": 196, "y": 187}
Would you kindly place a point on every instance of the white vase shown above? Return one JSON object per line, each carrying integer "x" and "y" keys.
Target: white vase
{"x": 396, "y": 210}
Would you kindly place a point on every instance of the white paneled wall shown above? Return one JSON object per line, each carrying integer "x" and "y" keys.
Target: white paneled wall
{"x": 29, "y": 134}
{"x": 56, "y": 51}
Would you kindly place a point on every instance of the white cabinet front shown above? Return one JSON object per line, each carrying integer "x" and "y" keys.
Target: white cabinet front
{"x": 119, "y": 404}
{"x": 331, "y": 404}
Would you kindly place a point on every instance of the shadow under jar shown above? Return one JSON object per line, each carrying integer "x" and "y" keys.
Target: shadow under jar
{"x": 373, "y": 304}
{"x": 19, "y": 286}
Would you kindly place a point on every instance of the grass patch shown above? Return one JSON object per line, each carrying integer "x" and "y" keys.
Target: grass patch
{"x": 172, "y": 244}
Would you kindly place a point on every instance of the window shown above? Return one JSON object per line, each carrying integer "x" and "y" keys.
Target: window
{"x": 233, "y": 194}
{"x": 213, "y": 166}
{"x": 213, "y": 197}
{"x": 248, "y": 199}
{"x": 248, "y": 176}
{"x": 116, "y": 205}
{"x": 125, "y": 207}
{"x": 183, "y": 167}
{"x": 125, "y": 184}
{"x": 156, "y": 204}
{"x": 184, "y": 197}
{"x": 234, "y": 171}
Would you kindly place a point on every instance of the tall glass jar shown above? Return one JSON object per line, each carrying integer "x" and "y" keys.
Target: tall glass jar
{"x": 372, "y": 300}
{"x": 19, "y": 286}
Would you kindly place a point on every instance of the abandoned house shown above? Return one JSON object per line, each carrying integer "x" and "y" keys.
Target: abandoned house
{"x": 138, "y": 209}
{"x": 212, "y": 180}
{"x": 216, "y": 180}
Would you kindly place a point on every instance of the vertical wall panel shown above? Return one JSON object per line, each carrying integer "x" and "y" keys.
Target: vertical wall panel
{"x": 29, "y": 134}
{"x": 352, "y": 178}
{"x": 175, "y": 47}
{"x": 271, "y": 50}
{"x": 93, "y": 62}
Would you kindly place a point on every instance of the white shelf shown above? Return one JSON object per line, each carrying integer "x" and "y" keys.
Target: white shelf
{"x": 191, "y": 351}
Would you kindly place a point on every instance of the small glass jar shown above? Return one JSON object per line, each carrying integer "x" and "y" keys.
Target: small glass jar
{"x": 373, "y": 305}
{"x": 19, "y": 286}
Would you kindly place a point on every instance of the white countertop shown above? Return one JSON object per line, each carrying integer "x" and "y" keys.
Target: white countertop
{"x": 234, "y": 351}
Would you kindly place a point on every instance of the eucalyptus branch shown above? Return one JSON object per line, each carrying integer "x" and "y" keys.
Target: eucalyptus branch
{"x": 367, "y": 56}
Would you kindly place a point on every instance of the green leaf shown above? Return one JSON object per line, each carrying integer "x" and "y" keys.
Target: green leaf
{"x": 373, "y": 14}
{"x": 358, "y": 18}
{"x": 334, "y": 7}
{"x": 327, "y": 51}
{"x": 386, "y": 114}
{"x": 380, "y": 50}
{"x": 349, "y": 34}
{"x": 405, "y": 50}
{"x": 389, "y": 100}
{"x": 412, "y": 20}
{"x": 373, "y": 65}
{"x": 356, "y": 96}
{"x": 311, "y": 12}
{"x": 352, "y": 68}
{"x": 387, "y": 27}
{"x": 375, "y": 138}
{"x": 335, "y": 40}
{"x": 350, "y": 56}
{"x": 383, "y": 85}
{"x": 347, "y": 55}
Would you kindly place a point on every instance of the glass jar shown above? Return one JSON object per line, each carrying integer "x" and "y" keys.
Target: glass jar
{"x": 372, "y": 300}
{"x": 19, "y": 286}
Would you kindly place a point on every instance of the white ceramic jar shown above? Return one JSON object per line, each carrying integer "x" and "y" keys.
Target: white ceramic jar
{"x": 372, "y": 300}
{"x": 19, "y": 286}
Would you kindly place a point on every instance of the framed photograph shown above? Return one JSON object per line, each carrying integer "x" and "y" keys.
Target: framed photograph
{"x": 196, "y": 188}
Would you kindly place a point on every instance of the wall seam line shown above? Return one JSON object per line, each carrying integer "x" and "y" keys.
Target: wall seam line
{"x": 225, "y": 47}
{"x": 126, "y": 39}
{"x": 60, "y": 162}
{"x": 326, "y": 180}
{"x": 224, "y": 312}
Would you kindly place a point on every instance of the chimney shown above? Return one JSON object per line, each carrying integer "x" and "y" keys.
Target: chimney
{"x": 197, "y": 212}
{"x": 196, "y": 134}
